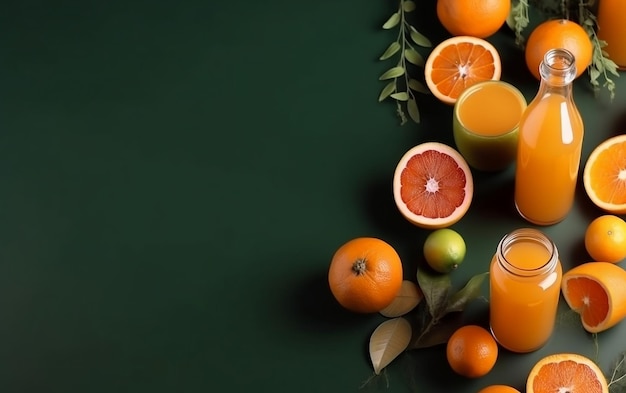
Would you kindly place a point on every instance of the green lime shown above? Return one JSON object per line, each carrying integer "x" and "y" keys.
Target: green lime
{"x": 444, "y": 250}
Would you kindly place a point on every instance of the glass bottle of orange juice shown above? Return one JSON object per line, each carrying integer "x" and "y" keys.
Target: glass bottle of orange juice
{"x": 524, "y": 284}
{"x": 550, "y": 144}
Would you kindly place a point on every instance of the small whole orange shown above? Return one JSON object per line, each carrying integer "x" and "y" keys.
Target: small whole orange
{"x": 365, "y": 274}
{"x": 476, "y": 18}
{"x": 605, "y": 239}
{"x": 472, "y": 351}
{"x": 498, "y": 389}
{"x": 558, "y": 33}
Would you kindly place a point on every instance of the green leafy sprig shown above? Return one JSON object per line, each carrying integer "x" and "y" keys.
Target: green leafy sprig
{"x": 617, "y": 382}
{"x": 601, "y": 67}
{"x": 441, "y": 314}
{"x": 520, "y": 18}
{"x": 401, "y": 85}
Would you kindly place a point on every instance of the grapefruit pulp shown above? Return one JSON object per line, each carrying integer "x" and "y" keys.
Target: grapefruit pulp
{"x": 433, "y": 185}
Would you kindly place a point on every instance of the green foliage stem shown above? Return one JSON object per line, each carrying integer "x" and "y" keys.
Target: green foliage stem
{"x": 441, "y": 315}
{"x": 617, "y": 381}
{"x": 401, "y": 85}
{"x": 601, "y": 67}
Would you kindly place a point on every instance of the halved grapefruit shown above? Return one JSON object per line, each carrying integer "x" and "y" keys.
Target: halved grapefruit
{"x": 597, "y": 291}
{"x": 458, "y": 63}
{"x": 566, "y": 372}
{"x": 604, "y": 175}
{"x": 433, "y": 185}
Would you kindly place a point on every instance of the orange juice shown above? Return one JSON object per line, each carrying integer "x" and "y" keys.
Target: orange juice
{"x": 550, "y": 144}
{"x": 612, "y": 29}
{"x": 548, "y": 159}
{"x": 484, "y": 135}
{"x": 477, "y": 111}
{"x": 525, "y": 279}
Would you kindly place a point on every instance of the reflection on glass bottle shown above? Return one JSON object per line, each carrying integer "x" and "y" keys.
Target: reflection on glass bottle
{"x": 550, "y": 144}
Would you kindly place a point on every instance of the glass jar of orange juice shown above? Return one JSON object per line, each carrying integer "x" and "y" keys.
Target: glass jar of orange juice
{"x": 524, "y": 284}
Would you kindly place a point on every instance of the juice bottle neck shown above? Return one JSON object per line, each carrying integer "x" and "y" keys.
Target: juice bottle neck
{"x": 558, "y": 71}
{"x": 546, "y": 88}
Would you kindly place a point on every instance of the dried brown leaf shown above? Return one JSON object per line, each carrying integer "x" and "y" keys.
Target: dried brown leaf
{"x": 406, "y": 300}
{"x": 389, "y": 340}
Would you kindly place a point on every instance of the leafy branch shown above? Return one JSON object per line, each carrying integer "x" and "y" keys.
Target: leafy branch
{"x": 519, "y": 13}
{"x": 617, "y": 383}
{"x": 401, "y": 86}
{"x": 444, "y": 307}
{"x": 437, "y": 318}
{"x": 601, "y": 67}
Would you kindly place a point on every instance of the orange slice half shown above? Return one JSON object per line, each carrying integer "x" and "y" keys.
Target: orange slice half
{"x": 566, "y": 372}
{"x": 433, "y": 185}
{"x": 604, "y": 175}
{"x": 597, "y": 291}
{"x": 460, "y": 62}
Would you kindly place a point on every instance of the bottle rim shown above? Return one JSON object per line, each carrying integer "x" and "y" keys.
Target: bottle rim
{"x": 558, "y": 62}
{"x": 528, "y": 234}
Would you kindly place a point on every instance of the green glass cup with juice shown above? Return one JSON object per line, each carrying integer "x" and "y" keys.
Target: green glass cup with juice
{"x": 486, "y": 124}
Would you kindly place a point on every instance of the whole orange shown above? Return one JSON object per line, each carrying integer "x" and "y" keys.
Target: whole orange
{"x": 498, "y": 389}
{"x": 472, "y": 351}
{"x": 477, "y": 18}
{"x": 558, "y": 33}
{"x": 605, "y": 239}
{"x": 365, "y": 274}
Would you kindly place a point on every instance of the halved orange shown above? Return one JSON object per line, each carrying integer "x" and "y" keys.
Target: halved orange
{"x": 460, "y": 62}
{"x": 604, "y": 175}
{"x": 566, "y": 372}
{"x": 597, "y": 291}
{"x": 433, "y": 185}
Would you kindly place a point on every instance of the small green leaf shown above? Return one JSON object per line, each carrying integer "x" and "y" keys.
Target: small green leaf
{"x": 391, "y": 50}
{"x": 419, "y": 38}
{"x": 469, "y": 292}
{"x": 392, "y": 21}
{"x": 414, "y": 113}
{"x": 387, "y": 90}
{"x": 414, "y": 57}
{"x": 418, "y": 86}
{"x": 393, "y": 72}
{"x": 408, "y": 6}
{"x": 594, "y": 73}
{"x": 436, "y": 288}
{"x": 401, "y": 96}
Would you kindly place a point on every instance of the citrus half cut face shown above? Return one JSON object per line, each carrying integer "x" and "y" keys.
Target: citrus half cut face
{"x": 566, "y": 372}
{"x": 433, "y": 185}
{"x": 597, "y": 291}
{"x": 604, "y": 175}
{"x": 458, "y": 63}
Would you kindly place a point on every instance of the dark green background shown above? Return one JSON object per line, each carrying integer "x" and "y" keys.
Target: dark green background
{"x": 175, "y": 177}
